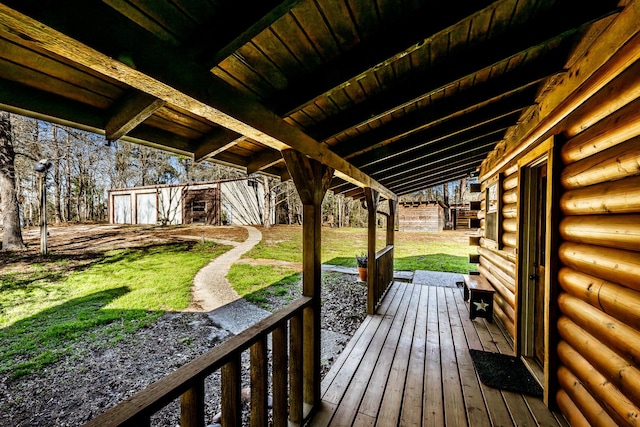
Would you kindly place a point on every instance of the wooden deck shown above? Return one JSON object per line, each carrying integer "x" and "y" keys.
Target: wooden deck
{"x": 409, "y": 365}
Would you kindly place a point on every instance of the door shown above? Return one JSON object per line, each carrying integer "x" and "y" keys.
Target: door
{"x": 533, "y": 287}
{"x": 146, "y": 208}
{"x": 539, "y": 264}
{"x": 122, "y": 209}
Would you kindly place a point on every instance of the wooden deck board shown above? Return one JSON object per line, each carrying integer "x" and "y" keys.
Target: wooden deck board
{"x": 410, "y": 365}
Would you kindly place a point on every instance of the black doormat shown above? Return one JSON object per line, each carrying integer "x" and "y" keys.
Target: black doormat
{"x": 505, "y": 372}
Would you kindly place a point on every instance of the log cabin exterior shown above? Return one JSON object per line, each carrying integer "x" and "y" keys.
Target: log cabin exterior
{"x": 373, "y": 100}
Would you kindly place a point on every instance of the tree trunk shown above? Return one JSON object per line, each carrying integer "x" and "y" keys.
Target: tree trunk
{"x": 266, "y": 217}
{"x": 67, "y": 174}
{"x": 12, "y": 235}
{"x": 57, "y": 210}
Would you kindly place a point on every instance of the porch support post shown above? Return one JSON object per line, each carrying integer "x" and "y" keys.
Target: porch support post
{"x": 391, "y": 222}
{"x": 371, "y": 197}
{"x": 312, "y": 180}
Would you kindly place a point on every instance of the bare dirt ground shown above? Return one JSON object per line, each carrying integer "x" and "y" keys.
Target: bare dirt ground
{"x": 100, "y": 374}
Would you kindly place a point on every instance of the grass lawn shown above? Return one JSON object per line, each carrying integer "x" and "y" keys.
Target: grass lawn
{"x": 447, "y": 251}
{"x": 46, "y": 306}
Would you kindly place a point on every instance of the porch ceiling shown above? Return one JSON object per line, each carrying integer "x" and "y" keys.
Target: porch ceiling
{"x": 398, "y": 95}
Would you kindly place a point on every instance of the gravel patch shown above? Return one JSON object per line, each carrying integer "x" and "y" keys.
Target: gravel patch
{"x": 101, "y": 374}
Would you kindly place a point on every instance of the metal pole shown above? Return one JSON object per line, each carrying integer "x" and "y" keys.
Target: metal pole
{"x": 43, "y": 214}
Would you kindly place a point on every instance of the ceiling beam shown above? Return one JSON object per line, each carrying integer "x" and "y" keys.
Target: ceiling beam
{"x": 178, "y": 81}
{"x": 430, "y": 184}
{"x": 30, "y": 102}
{"x": 478, "y": 122}
{"x": 134, "y": 108}
{"x": 427, "y": 170}
{"x": 233, "y": 26}
{"x": 263, "y": 160}
{"x": 447, "y": 108}
{"x": 214, "y": 143}
{"x": 457, "y": 152}
{"x": 398, "y": 40}
{"x": 531, "y": 39}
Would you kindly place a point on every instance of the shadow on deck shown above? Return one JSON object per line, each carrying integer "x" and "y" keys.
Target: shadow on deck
{"x": 409, "y": 364}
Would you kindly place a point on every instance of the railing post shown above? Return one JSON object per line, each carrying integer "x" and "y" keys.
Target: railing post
{"x": 295, "y": 370}
{"x": 231, "y": 388}
{"x": 259, "y": 382}
{"x": 280, "y": 370}
{"x": 192, "y": 406}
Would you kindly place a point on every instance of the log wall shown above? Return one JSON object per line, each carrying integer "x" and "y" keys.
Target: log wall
{"x": 592, "y": 365}
{"x": 599, "y": 322}
{"x": 497, "y": 259}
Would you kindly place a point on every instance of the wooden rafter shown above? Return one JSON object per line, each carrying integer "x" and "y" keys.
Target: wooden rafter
{"x": 263, "y": 160}
{"x": 398, "y": 40}
{"x": 179, "y": 82}
{"x": 443, "y": 157}
{"x": 465, "y": 102}
{"x": 129, "y": 112}
{"x": 477, "y": 123}
{"x": 500, "y": 50}
{"x": 215, "y": 143}
{"x": 363, "y": 155}
{"x": 227, "y": 35}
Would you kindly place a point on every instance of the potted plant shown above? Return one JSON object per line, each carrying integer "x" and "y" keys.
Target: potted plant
{"x": 361, "y": 261}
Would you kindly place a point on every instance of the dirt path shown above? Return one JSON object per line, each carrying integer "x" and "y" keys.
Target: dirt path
{"x": 211, "y": 289}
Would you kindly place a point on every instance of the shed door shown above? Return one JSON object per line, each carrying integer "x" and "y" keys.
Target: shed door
{"x": 122, "y": 209}
{"x": 146, "y": 208}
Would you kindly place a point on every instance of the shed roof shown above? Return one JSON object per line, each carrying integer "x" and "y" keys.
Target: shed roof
{"x": 398, "y": 95}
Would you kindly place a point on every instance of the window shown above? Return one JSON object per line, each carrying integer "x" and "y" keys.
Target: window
{"x": 199, "y": 206}
{"x": 492, "y": 204}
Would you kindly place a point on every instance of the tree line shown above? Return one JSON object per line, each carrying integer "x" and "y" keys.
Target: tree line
{"x": 83, "y": 166}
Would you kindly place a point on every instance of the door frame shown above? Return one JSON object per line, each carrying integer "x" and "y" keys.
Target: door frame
{"x": 528, "y": 252}
{"x": 547, "y": 151}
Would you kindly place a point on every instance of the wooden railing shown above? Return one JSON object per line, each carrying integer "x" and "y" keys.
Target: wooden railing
{"x": 384, "y": 273}
{"x": 187, "y": 382}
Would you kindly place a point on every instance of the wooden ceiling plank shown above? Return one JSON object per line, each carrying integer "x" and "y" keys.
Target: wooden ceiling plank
{"x": 315, "y": 28}
{"x": 55, "y": 67}
{"x": 398, "y": 96}
{"x": 167, "y": 15}
{"x": 177, "y": 128}
{"x": 179, "y": 82}
{"x": 476, "y": 122}
{"x": 288, "y": 30}
{"x": 398, "y": 37}
{"x": 446, "y": 108}
{"x": 459, "y": 149}
{"x": 129, "y": 112}
{"x": 32, "y": 102}
{"x": 465, "y": 158}
{"x": 263, "y": 159}
{"x": 143, "y": 20}
{"x": 215, "y": 142}
{"x": 245, "y": 73}
{"x": 406, "y": 189}
{"x": 269, "y": 43}
{"x": 263, "y": 65}
{"x": 239, "y": 34}
{"x": 14, "y": 72}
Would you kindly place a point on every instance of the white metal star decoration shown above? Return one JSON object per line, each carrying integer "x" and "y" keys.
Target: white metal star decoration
{"x": 481, "y": 306}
